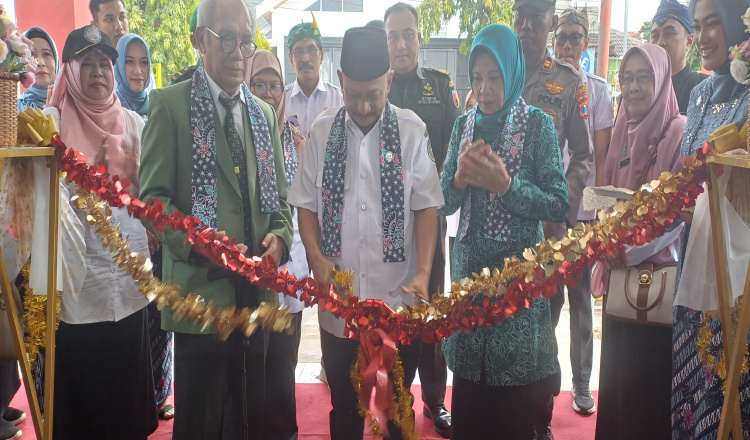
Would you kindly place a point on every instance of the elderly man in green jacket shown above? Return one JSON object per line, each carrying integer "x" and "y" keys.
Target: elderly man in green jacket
{"x": 212, "y": 150}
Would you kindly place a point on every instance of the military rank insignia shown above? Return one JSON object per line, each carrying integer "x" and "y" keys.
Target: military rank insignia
{"x": 547, "y": 66}
{"x": 554, "y": 88}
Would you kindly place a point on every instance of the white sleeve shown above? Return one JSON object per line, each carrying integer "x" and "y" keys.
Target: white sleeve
{"x": 425, "y": 189}
{"x": 604, "y": 113}
{"x": 304, "y": 192}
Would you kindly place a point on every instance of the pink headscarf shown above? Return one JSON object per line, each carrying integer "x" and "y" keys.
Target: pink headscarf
{"x": 662, "y": 126}
{"x": 84, "y": 121}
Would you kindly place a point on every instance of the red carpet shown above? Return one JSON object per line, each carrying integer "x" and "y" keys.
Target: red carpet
{"x": 314, "y": 403}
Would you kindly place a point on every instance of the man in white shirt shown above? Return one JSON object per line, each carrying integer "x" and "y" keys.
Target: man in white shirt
{"x": 308, "y": 96}
{"x": 571, "y": 39}
{"x": 369, "y": 207}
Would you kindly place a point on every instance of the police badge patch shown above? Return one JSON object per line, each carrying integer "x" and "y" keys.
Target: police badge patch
{"x": 554, "y": 88}
{"x": 582, "y": 97}
{"x": 92, "y": 34}
{"x": 429, "y": 147}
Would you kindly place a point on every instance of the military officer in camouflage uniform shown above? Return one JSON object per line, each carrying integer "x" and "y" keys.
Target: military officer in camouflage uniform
{"x": 431, "y": 94}
{"x": 558, "y": 89}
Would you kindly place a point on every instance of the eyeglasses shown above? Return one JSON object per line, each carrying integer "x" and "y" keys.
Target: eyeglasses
{"x": 229, "y": 43}
{"x": 575, "y": 39}
{"x": 641, "y": 78}
{"x": 259, "y": 89}
{"x": 311, "y": 52}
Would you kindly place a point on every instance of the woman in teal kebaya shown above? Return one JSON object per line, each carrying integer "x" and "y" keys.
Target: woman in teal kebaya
{"x": 504, "y": 170}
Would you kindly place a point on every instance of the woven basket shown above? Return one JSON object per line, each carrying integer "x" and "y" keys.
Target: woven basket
{"x": 9, "y": 109}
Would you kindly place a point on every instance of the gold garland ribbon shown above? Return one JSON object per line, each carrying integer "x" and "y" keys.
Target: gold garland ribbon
{"x": 401, "y": 412}
{"x": 191, "y": 307}
{"x": 35, "y": 316}
{"x": 717, "y": 363}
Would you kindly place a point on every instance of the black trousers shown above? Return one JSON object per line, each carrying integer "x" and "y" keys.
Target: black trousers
{"x": 220, "y": 387}
{"x": 339, "y": 354}
{"x": 103, "y": 371}
{"x": 484, "y": 412}
{"x": 581, "y": 327}
{"x": 10, "y": 382}
{"x": 281, "y": 407}
{"x": 433, "y": 371}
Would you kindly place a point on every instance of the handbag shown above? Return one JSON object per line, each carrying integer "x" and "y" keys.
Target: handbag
{"x": 641, "y": 294}
{"x": 7, "y": 349}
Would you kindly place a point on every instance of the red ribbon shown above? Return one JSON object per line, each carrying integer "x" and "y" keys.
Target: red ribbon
{"x": 379, "y": 357}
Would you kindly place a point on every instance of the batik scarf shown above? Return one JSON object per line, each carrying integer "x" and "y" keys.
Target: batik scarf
{"x": 202, "y": 125}
{"x": 391, "y": 186}
{"x": 290, "y": 153}
{"x": 508, "y": 146}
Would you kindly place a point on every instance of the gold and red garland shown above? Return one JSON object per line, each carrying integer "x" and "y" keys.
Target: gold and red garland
{"x": 646, "y": 216}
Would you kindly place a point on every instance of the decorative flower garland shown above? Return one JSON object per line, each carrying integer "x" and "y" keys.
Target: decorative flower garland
{"x": 635, "y": 222}
{"x": 717, "y": 364}
{"x": 191, "y": 307}
{"x": 35, "y": 316}
{"x": 643, "y": 218}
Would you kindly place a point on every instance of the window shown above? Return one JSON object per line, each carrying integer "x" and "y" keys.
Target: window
{"x": 337, "y": 6}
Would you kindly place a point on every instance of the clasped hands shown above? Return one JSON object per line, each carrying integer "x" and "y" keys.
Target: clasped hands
{"x": 480, "y": 167}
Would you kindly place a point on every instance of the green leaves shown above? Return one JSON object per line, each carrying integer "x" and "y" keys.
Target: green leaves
{"x": 473, "y": 16}
{"x": 164, "y": 24}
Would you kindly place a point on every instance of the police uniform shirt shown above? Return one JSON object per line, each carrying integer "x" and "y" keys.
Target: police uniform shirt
{"x": 558, "y": 90}
{"x": 431, "y": 94}
{"x": 301, "y": 111}
{"x": 601, "y": 116}
{"x": 362, "y": 231}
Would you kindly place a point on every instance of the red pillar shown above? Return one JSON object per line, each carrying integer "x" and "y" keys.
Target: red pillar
{"x": 58, "y": 17}
{"x": 605, "y": 24}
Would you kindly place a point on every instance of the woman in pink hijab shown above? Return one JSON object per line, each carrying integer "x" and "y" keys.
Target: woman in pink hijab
{"x": 103, "y": 380}
{"x": 636, "y": 362}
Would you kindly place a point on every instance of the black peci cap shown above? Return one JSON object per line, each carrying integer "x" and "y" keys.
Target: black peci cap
{"x": 86, "y": 39}
{"x": 364, "y": 53}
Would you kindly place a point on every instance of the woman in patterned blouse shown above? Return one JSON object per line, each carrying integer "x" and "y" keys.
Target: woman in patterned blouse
{"x": 504, "y": 170}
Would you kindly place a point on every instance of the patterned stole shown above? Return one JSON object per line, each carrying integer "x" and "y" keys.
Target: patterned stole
{"x": 497, "y": 218}
{"x": 203, "y": 190}
{"x": 391, "y": 187}
{"x": 290, "y": 153}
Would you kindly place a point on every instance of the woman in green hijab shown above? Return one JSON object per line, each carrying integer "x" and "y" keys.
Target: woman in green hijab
{"x": 504, "y": 170}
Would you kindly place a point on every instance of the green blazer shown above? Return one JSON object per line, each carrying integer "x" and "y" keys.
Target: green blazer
{"x": 166, "y": 173}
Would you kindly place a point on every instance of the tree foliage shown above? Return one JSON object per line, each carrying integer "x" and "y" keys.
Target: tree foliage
{"x": 164, "y": 24}
{"x": 473, "y": 16}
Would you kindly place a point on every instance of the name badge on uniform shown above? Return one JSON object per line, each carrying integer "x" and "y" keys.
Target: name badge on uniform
{"x": 428, "y": 100}
{"x": 625, "y": 162}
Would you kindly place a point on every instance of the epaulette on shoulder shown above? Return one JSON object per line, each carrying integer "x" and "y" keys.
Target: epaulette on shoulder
{"x": 444, "y": 72}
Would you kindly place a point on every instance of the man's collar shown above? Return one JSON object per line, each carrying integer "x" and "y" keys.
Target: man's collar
{"x": 296, "y": 88}
{"x": 351, "y": 124}
{"x": 216, "y": 91}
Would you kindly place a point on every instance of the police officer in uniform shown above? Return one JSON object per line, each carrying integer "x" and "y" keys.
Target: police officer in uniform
{"x": 558, "y": 89}
{"x": 431, "y": 94}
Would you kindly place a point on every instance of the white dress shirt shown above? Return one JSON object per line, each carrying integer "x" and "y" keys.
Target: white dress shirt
{"x": 601, "y": 116}
{"x": 108, "y": 293}
{"x": 237, "y": 111}
{"x": 362, "y": 225}
{"x": 302, "y": 111}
